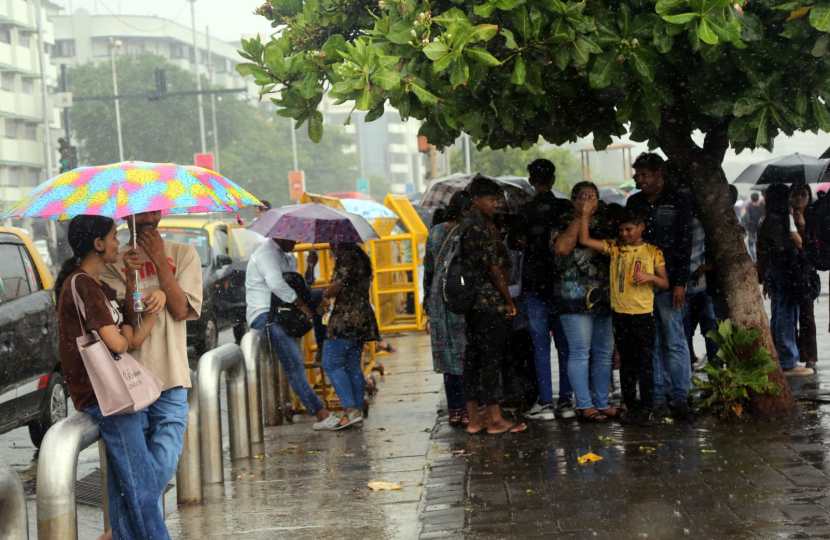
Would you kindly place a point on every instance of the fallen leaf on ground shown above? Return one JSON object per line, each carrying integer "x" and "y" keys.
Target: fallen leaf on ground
{"x": 604, "y": 439}
{"x": 647, "y": 449}
{"x": 380, "y": 485}
{"x": 708, "y": 451}
{"x": 590, "y": 457}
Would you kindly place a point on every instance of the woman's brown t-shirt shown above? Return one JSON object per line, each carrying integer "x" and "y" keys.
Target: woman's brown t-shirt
{"x": 101, "y": 310}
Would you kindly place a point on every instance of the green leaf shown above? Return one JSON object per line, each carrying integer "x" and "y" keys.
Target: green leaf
{"x": 509, "y": 39}
{"x": 460, "y": 73}
{"x": 706, "y": 33}
{"x": 376, "y": 112}
{"x": 274, "y": 59}
{"x": 482, "y": 56}
{"x": 247, "y": 69}
{"x": 602, "y": 70}
{"x": 582, "y": 49}
{"x": 820, "y": 114}
{"x": 364, "y": 102}
{"x": 442, "y": 63}
{"x": 400, "y": 33}
{"x": 643, "y": 64}
{"x": 508, "y": 5}
{"x": 332, "y": 46}
{"x": 761, "y": 137}
{"x": 484, "y": 10}
{"x": 562, "y": 56}
{"x": 821, "y": 46}
{"x": 387, "y": 79}
{"x": 820, "y": 18}
{"x": 424, "y": 96}
{"x": 680, "y": 18}
{"x": 521, "y": 22}
{"x": 746, "y": 106}
{"x": 484, "y": 32}
{"x": 665, "y": 6}
{"x": 315, "y": 126}
{"x": 519, "y": 72}
{"x": 436, "y": 50}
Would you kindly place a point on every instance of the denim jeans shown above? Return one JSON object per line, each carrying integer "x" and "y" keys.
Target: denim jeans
{"x": 454, "y": 388}
{"x": 543, "y": 322}
{"x": 342, "y": 363}
{"x": 135, "y": 477}
{"x": 783, "y": 324}
{"x": 291, "y": 358}
{"x": 672, "y": 371}
{"x": 699, "y": 310}
{"x": 590, "y": 351}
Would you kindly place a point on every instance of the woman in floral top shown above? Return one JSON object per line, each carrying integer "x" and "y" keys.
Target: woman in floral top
{"x": 351, "y": 325}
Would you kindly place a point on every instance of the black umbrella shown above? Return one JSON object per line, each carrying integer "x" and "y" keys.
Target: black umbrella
{"x": 795, "y": 168}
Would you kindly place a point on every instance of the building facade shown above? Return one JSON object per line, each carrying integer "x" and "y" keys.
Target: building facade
{"x": 22, "y": 118}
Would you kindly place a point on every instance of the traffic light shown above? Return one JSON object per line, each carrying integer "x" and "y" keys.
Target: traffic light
{"x": 161, "y": 83}
{"x": 68, "y": 155}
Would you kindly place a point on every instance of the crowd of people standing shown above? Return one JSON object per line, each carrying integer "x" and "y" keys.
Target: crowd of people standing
{"x": 606, "y": 286}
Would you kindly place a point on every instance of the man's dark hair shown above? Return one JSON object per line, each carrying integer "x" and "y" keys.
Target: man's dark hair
{"x": 460, "y": 202}
{"x": 754, "y": 196}
{"x": 631, "y": 216}
{"x": 650, "y": 161}
{"x": 481, "y": 186}
{"x": 266, "y": 205}
{"x": 541, "y": 171}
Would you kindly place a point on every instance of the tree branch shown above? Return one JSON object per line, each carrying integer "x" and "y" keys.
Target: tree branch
{"x": 717, "y": 142}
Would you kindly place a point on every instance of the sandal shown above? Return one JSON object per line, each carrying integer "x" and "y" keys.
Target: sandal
{"x": 611, "y": 412}
{"x": 592, "y": 415}
{"x": 517, "y": 427}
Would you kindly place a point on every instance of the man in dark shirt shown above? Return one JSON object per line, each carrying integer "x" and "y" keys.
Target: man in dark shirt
{"x": 668, "y": 214}
{"x": 539, "y": 218}
{"x": 486, "y": 263}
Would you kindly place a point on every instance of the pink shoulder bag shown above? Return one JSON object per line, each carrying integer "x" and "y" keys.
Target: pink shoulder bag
{"x": 122, "y": 385}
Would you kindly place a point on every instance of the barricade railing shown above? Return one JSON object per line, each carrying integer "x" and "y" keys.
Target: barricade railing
{"x": 57, "y": 468}
{"x": 14, "y": 523}
{"x": 227, "y": 358}
{"x": 254, "y": 355}
{"x": 189, "y": 473}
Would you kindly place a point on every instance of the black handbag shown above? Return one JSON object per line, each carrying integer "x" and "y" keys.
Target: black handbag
{"x": 287, "y": 315}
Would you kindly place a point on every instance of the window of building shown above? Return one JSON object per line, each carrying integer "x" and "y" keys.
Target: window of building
{"x": 28, "y": 85}
{"x": 7, "y": 81}
{"x": 203, "y": 57}
{"x": 177, "y": 51}
{"x": 24, "y": 39}
{"x": 11, "y": 128}
{"x": 5, "y": 34}
{"x": 29, "y": 131}
{"x": 64, "y": 48}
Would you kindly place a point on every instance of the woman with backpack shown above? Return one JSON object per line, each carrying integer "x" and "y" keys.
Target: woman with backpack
{"x": 779, "y": 272}
{"x": 446, "y": 329}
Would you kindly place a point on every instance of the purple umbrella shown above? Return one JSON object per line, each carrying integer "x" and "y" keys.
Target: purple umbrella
{"x": 314, "y": 224}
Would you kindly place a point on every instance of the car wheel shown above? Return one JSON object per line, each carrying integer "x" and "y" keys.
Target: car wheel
{"x": 209, "y": 339}
{"x": 54, "y": 409}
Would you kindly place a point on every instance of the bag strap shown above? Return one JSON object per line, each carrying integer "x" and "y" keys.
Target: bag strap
{"x": 80, "y": 307}
{"x": 447, "y": 239}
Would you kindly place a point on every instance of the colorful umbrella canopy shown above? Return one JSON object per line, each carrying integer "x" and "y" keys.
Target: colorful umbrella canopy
{"x": 314, "y": 224}
{"x": 795, "y": 168}
{"x": 350, "y": 195}
{"x": 517, "y": 190}
{"x": 133, "y": 187}
{"x": 367, "y": 209}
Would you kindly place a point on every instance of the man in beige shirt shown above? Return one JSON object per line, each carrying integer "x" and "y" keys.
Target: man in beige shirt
{"x": 174, "y": 269}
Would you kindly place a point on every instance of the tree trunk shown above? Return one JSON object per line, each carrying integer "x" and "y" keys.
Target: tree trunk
{"x": 735, "y": 268}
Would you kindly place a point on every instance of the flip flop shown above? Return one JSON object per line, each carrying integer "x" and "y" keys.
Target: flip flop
{"x": 517, "y": 427}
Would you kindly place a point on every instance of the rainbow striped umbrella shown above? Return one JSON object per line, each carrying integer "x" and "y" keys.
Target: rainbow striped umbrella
{"x": 133, "y": 187}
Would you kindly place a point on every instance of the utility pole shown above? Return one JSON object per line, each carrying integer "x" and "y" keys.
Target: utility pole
{"x": 467, "y": 164}
{"x": 115, "y": 44}
{"x": 213, "y": 103}
{"x": 198, "y": 77}
{"x": 294, "y": 152}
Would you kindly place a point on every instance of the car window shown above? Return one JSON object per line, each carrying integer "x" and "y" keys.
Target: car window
{"x": 14, "y": 280}
{"x": 31, "y": 274}
{"x": 220, "y": 241}
{"x": 197, "y": 238}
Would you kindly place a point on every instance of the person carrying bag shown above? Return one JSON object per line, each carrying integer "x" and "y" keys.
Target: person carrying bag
{"x": 108, "y": 384}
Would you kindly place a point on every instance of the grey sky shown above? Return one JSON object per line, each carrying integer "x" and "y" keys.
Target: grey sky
{"x": 228, "y": 19}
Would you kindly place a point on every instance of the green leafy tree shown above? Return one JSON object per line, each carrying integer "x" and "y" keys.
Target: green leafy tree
{"x": 514, "y": 161}
{"x": 255, "y": 145}
{"x": 511, "y": 71}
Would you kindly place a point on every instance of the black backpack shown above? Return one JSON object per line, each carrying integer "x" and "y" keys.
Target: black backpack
{"x": 817, "y": 233}
{"x": 458, "y": 288}
{"x": 293, "y": 321}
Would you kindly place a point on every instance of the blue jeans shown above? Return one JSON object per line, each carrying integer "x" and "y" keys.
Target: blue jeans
{"x": 341, "y": 362}
{"x": 699, "y": 310}
{"x": 135, "y": 477}
{"x": 590, "y": 351}
{"x": 672, "y": 371}
{"x": 542, "y": 322}
{"x": 291, "y": 357}
{"x": 783, "y": 324}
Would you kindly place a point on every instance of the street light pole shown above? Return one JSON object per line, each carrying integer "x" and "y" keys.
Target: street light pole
{"x": 294, "y": 145}
{"x": 213, "y": 104}
{"x": 467, "y": 162}
{"x": 198, "y": 77}
{"x": 44, "y": 93}
{"x": 115, "y": 44}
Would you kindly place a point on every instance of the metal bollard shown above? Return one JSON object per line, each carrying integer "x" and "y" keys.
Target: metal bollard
{"x": 189, "y": 473}
{"x": 226, "y": 358}
{"x": 56, "y": 471}
{"x": 14, "y": 523}
{"x": 252, "y": 350}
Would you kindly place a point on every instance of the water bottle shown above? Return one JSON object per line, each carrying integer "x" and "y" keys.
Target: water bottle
{"x": 138, "y": 301}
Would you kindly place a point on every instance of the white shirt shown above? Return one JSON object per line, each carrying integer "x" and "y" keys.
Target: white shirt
{"x": 264, "y": 277}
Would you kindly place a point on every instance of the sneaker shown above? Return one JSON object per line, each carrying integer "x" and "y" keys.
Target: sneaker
{"x": 680, "y": 410}
{"x": 799, "y": 371}
{"x": 355, "y": 419}
{"x": 565, "y": 411}
{"x": 329, "y": 423}
{"x": 540, "y": 411}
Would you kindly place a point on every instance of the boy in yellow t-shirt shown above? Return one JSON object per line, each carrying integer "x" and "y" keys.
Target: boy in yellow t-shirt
{"x": 636, "y": 269}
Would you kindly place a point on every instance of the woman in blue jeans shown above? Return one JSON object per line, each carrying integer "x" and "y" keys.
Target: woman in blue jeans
{"x": 581, "y": 296}
{"x": 351, "y": 325}
{"x": 135, "y": 476}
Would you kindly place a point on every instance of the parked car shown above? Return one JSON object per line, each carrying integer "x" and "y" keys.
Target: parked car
{"x": 32, "y": 390}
